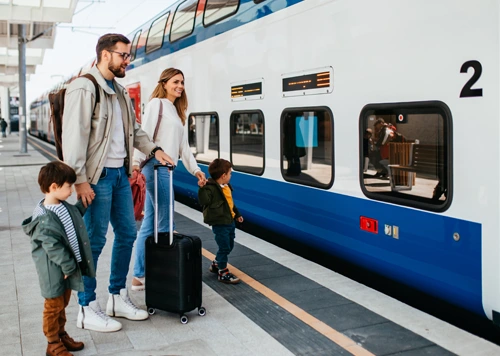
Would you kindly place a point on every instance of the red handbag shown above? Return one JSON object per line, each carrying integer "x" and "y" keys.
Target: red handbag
{"x": 138, "y": 186}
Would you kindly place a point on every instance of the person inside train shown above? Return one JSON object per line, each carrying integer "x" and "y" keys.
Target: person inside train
{"x": 98, "y": 143}
{"x": 220, "y": 212}
{"x": 165, "y": 114}
{"x": 384, "y": 134}
{"x": 367, "y": 148}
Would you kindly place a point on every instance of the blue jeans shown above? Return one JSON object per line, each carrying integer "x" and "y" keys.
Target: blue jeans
{"x": 224, "y": 236}
{"x": 112, "y": 203}
{"x": 147, "y": 227}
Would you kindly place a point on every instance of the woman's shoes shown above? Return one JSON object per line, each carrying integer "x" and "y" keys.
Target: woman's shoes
{"x": 138, "y": 283}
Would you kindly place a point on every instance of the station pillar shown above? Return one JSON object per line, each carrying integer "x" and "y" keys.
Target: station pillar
{"x": 23, "y": 137}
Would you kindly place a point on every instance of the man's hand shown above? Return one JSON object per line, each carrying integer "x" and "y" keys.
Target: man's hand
{"x": 85, "y": 192}
{"x": 202, "y": 180}
{"x": 136, "y": 168}
{"x": 163, "y": 158}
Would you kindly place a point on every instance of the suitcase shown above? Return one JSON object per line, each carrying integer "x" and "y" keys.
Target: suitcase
{"x": 173, "y": 266}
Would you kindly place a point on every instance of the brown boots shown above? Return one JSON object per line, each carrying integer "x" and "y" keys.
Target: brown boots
{"x": 71, "y": 344}
{"x": 57, "y": 349}
{"x": 63, "y": 347}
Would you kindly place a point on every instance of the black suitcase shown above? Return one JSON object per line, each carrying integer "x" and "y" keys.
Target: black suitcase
{"x": 173, "y": 267}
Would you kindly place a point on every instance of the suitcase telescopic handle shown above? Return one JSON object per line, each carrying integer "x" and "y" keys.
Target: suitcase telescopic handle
{"x": 170, "y": 205}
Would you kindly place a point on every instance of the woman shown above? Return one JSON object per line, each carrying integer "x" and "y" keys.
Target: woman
{"x": 173, "y": 138}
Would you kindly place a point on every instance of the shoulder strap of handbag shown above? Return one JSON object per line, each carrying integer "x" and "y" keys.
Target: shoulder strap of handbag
{"x": 160, "y": 114}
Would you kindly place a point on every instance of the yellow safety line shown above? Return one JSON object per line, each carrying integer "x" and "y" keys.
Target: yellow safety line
{"x": 332, "y": 334}
{"x": 43, "y": 149}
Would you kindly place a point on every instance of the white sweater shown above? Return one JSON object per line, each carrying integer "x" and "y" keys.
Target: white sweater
{"x": 172, "y": 135}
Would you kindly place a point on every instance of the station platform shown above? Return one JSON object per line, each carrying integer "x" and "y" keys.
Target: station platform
{"x": 285, "y": 305}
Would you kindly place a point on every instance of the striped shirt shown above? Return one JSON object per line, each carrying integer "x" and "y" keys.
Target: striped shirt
{"x": 63, "y": 215}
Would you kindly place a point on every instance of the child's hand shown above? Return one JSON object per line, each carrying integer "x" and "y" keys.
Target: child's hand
{"x": 240, "y": 219}
{"x": 65, "y": 277}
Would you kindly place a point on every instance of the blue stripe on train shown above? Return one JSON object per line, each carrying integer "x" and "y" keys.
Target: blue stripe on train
{"x": 425, "y": 256}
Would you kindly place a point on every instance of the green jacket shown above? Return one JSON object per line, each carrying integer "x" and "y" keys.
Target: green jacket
{"x": 216, "y": 209}
{"x": 52, "y": 252}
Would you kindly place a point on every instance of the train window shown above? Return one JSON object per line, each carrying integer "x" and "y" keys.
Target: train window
{"x": 307, "y": 146}
{"x": 247, "y": 141}
{"x": 156, "y": 33}
{"x": 406, "y": 155}
{"x": 183, "y": 23}
{"x": 203, "y": 136}
{"x": 133, "y": 49}
{"x": 258, "y": 1}
{"x": 216, "y": 10}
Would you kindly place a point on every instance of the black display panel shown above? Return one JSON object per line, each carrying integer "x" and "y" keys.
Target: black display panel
{"x": 307, "y": 82}
{"x": 250, "y": 89}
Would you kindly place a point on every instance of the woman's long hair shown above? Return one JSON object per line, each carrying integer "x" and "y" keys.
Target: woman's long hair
{"x": 181, "y": 103}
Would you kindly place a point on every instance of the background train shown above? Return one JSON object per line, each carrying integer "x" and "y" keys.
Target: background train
{"x": 286, "y": 89}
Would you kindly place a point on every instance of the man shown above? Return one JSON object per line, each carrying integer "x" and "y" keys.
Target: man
{"x": 98, "y": 142}
{"x": 3, "y": 126}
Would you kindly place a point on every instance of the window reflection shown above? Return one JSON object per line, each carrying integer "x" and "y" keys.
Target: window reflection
{"x": 183, "y": 23}
{"x": 216, "y": 10}
{"x": 307, "y": 147}
{"x": 405, "y": 154}
{"x": 203, "y": 136}
{"x": 247, "y": 141}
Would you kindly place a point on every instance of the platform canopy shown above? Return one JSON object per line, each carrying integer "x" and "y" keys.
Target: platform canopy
{"x": 41, "y": 18}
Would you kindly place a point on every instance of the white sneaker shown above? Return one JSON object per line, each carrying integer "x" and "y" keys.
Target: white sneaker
{"x": 93, "y": 318}
{"x": 138, "y": 283}
{"x": 120, "y": 305}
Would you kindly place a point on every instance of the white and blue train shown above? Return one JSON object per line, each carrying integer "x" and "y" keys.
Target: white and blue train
{"x": 285, "y": 89}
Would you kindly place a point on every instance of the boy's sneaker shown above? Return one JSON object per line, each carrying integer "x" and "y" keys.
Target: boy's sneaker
{"x": 214, "y": 268}
{"x": 120, "y": 305}
{"x": 138, "y": 283}
{"x": 92, "y": 317}
{"x": 226, "y": 277}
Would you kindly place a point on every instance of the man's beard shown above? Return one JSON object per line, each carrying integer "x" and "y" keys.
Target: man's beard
{"x": 117, "y": 70}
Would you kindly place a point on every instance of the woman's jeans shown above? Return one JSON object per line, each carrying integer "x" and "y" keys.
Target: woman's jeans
{"x": 147, "y": 227}
{"x": 113, "y": 203}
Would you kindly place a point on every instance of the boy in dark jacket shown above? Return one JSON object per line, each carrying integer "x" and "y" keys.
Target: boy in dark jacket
{"x": 61, "y": 251}
{"x": 220, "y": 212}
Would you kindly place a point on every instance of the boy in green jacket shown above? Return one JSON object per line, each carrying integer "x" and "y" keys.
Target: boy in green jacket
{"x": 60, "y": 248}
{"x": 220, "y": 212}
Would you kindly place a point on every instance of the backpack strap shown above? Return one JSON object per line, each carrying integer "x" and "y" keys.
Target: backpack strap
{"x": 97, "y": 93}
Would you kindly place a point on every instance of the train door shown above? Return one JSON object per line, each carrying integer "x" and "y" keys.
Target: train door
{"x": 134, "y": 91}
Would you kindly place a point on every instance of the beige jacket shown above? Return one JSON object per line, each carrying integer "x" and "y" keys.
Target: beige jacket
{"x": 86, "y": 138}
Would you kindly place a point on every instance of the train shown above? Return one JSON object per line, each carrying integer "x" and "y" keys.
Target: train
{"x": 296, "y": 94}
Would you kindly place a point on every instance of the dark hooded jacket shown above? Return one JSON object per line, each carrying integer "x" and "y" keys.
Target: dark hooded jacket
{"x": 216, "y": 209}
{"x": 52, "y": 252}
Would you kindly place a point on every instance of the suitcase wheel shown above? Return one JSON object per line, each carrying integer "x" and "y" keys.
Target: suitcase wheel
{"x": 202, "y": 311}
{"x": 151, "y": 311}
{"x": 184, "y": 319}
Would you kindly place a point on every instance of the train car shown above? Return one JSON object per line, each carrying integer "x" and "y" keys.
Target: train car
{"x": 359, "y": 128}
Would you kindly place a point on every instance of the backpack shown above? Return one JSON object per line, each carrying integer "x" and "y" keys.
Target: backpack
{"x": 398, "y": 137}
{"x": 56, "y": 101}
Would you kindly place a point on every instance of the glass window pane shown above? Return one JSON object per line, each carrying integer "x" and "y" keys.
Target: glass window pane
{"x": 247, "y": 141}
{"x": 307, "y": 147}
{"x": 216, "y": 10}
{"x": 406, "y": 155}
{"x": 203, "y": 136}
{"x": 133, "y": 50}
{"x": 156, "y": 33}
{"x": 183, "y": 23}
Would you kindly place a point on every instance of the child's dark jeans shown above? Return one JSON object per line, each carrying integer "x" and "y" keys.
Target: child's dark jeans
{"x": 224, "y": 236}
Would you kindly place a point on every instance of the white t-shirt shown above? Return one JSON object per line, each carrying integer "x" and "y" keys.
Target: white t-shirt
{"x": 172, "y": 135}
